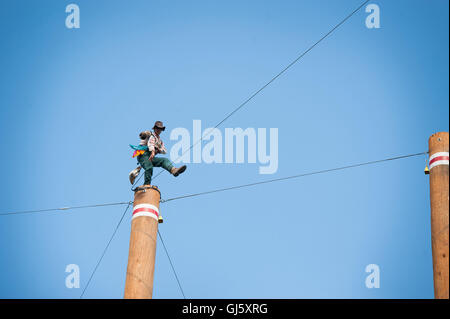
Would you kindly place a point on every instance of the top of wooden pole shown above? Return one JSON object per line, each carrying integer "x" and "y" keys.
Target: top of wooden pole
{"x": 147, "y": 194}
{"x": 438, "y": 149}
{"x": 438, "y": 142}
{"x": 145, "y": 187}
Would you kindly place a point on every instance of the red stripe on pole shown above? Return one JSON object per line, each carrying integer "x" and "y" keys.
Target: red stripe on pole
{"x": 439, "y": 158}
{"x": 145, "y": 209}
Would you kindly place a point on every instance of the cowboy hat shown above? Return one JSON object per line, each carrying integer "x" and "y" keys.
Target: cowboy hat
{"x": 159, "y": 124}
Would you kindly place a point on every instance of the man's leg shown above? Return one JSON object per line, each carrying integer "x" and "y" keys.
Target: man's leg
{"x": 148, "y": 167}
{"x": 168, "y": 166}
{"x": 162, "y": 162}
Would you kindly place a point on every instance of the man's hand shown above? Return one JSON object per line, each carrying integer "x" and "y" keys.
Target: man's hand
{"x": 151, "y": 156}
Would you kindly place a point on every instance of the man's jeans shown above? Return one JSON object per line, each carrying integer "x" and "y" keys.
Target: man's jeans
{"x": 156, "y": 162}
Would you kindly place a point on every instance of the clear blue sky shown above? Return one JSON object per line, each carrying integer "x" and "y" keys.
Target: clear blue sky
{"x": 72, "y": 100}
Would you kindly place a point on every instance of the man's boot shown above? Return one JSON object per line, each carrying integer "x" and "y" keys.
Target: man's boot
{"x": 177, "y": 171}
{"x": 133, "y": 174}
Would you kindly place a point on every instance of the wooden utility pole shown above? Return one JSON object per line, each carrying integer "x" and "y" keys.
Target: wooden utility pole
{"x": 438, "y": 162}
{"x": 141, "y": 256}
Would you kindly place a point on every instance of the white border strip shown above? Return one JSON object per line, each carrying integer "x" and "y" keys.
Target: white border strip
{"x": 146, "y": 214}
{"x": 443, "y": 162}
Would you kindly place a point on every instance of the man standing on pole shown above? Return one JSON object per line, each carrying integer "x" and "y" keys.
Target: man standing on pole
{"x": 149, "y": 146}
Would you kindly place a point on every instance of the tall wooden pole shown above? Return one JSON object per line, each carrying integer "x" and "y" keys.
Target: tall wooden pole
{"x": 141, "y": 256}
{"x": 438, "y": 162}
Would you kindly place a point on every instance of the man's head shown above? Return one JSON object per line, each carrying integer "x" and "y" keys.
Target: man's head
{"x": 158, "y": 127}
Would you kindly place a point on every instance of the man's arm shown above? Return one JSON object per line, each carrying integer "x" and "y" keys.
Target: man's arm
{"x": 151, "y": 147}
{"x": 151, "y": 144}
{"x": 162, "y": 150}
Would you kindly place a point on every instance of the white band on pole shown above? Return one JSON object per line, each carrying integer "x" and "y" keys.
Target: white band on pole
{"x": 147, "y": 210}
{"x": 439, "y": 158}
